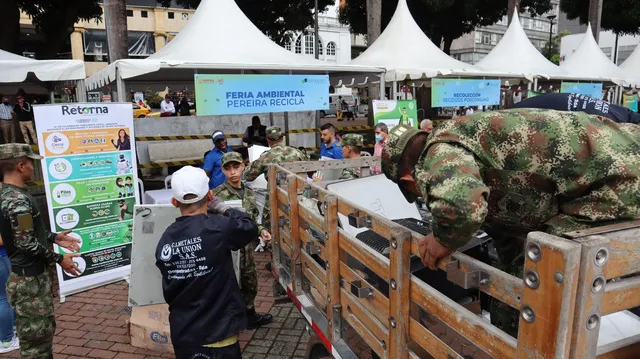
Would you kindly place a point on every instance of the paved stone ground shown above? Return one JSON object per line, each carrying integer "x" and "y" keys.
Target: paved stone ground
{"x": 92, "y": 324}
{"x": 285, "y": 338}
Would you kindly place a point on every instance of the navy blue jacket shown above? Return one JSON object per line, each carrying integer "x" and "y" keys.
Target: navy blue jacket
{"x": 198, "y": 280}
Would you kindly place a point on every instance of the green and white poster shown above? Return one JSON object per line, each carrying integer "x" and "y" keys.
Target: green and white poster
{"x": 91, "y": 185}
{"x": 393, "y": 113}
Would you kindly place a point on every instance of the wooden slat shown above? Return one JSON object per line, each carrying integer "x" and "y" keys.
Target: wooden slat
{"x": 621, "y": 295}
{"x": 285, "y": 237}
{"x": 378, "y": 305}
{"x": 308, "y": 262}
{"x": 553, "y": 303}
{"x": 311, "y": 218}
{"x": 294, "y": 240}
{"x": 431, "y": 343}
{"x": 283, "y": 197}
{"x": 333, "y": 263}
{"x": 286, "y": 249}
{"x": 584, "y": 343}
{"x": 315, "y": 281}
{"x": 378, "y": 224}
{"x": 399, "y": 297}
{"x": 364, "y": 333}
{"x": 309, "y": 166}
{"x": 307, "y": 238}
{"x": 625, "y": 349}
{"x": 273, "y": 203}
{"x": 487, "y": 337}
{"x": 353, "y": 306}
{"x": 502, "y": 286}
{"x": 365, "y": 255}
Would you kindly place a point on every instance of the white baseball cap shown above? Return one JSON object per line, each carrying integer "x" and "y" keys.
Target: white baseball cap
{"x": 189, "y": 180}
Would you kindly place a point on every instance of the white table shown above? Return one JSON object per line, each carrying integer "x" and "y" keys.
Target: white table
{"x": 160, "y": 196}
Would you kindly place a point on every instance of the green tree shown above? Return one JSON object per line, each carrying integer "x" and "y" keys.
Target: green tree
{"x": 52, "y": 19}
{"x": 620, "y": 16}
{"x": 552, "y": 50}
{"x": 278, "y": 19}
{"x": 442, "y": 20}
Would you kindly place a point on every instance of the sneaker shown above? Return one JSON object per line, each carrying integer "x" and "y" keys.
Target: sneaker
{"x": 10, "y": 346}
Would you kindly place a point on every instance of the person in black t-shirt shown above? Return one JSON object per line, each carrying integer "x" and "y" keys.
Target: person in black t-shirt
{"x": 206, "y": 310}
{"x": 24, "y": 114}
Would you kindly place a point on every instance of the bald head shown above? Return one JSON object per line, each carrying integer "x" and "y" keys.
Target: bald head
{"x": 426, "y": 126}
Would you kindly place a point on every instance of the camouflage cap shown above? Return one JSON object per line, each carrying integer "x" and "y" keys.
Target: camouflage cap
{"x": 17, "y": 150}
{"x": 399, "y": 137}
{"x": 352, "y": 139}
{"x": 231, "y": 157}
{"x": 274, "y": 133}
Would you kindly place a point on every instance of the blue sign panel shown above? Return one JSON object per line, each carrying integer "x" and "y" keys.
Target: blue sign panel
{"x": 240, "y": 94}
{"x": 459, "y": 92}
{"x": 589, "y": 89}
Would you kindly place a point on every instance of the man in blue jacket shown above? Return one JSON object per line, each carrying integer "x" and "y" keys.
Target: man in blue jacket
{"x": 212, "y": 159}
{"x": 206, "y": 310}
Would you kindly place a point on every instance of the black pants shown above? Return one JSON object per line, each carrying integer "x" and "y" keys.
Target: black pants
{"x": 229, "y": 352}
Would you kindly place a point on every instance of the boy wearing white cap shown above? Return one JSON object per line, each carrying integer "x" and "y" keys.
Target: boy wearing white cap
{"x": 206, "y": 310}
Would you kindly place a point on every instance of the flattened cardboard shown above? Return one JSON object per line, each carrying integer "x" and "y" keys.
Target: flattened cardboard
{"x": 149, "y": 328}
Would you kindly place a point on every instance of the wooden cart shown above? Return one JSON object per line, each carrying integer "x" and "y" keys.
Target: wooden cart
{"x": 569, "y": 283}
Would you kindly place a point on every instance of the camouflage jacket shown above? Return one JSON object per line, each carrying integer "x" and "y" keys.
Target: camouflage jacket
{"x": 278, "y": 154}
{"x": 523, "y": 170}
{"x": 23, "y": 231}
{"x": 228, "y": 193}
{"x": 350, "y": 173}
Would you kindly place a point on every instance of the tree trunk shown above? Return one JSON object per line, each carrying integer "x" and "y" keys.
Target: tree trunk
{"x": 9, "y": 26}
{"x": 374, "y": 28}
{"x": 513, "y": 5}
{"x": 115, "y": 19}
{"x": 595, "y": 17}
{"x": 447, "y": 45}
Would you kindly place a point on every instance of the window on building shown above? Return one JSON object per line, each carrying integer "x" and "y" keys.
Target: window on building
{"x": 486, "y": 38}
{"x": 185, "y": 16}
{"x": 299, "y": 45}
{"x": 331, "y": 48}
{"x": 287, "y": 46}
{"x": 494, "y": 39}
{"x": 478, "y": 35}
{"x": 468, "y": 57}
{"x": 308, "y": 44}
{"x": 171, "y": 15}
{"x": 144, "y": 13}
{"x": 320, "y": 46}
{"x": 607, "y": 51}
{"x": 129, "y": 13}
{"x": 141, "y": 44}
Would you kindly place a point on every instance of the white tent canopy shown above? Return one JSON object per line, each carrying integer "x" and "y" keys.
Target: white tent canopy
{"x": 16, "y": 69}
{"x": 631, "y": 68}
{"x": 406, "y": 52}
{"x": 516, "y": 55}
{"x": 590, "y": 63}
{"x": 218, "y": 37}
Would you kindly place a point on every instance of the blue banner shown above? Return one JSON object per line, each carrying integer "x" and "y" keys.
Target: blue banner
{"x": 240, "y": 94}
{"x": 589, "y": 89}
{"x": 458, "y": 92}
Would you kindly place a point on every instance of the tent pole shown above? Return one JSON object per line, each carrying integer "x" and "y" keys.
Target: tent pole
{"x": 535, "y": 84}
{"x": 120, "y": 87}
{"x": 286, "y": 128}
{"x": 52, "y": 97}
{"x": 382, "y": 88}
{"x": 81, "y": 91}
{"x": 394, "y": 93}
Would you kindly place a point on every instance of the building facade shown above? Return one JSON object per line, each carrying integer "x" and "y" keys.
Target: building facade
{"x": 334, "y": 41}
{"x": 474, "y": 46}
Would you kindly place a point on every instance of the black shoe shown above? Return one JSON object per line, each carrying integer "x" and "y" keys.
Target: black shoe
{"x": 268, "y": 267}
{"x": 256, "y": 320}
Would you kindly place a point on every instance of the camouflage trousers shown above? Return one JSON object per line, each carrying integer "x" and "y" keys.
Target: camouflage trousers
{"x": 248, "y": 277}
{"x": 32, "y": 301}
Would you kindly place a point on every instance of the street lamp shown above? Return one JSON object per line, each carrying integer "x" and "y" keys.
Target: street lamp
{"x": 551, "y": 18}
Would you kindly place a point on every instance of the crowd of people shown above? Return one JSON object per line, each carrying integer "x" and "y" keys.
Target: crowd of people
{"x": 18, "y": 115}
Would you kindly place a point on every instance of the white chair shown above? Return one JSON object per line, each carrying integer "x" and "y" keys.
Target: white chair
{"x": 141, "y": 190}
{"x": 365, "y": 153}
{"x": 167, "y": 182}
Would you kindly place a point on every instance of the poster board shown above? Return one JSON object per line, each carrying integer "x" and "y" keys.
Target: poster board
{"x": 464, "y": 92}
{"x": 583, "y": 88}
{"x": 149, "y": 223}
{"x": 395, "y": 112}
{"x": 630, "y": 101}
{"x": 91, "y": 186}
{"x": 255, "y": 151}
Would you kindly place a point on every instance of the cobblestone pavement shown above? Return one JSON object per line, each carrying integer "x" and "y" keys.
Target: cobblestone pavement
{"x": 285, "y": 338}
{"x": 93, "y": 324}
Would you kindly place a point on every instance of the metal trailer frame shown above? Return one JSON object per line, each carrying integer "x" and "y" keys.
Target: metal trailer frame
{"x": 568, "y": 285}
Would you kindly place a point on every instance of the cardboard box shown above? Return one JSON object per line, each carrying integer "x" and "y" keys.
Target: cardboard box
{"x": 149, "y": 328}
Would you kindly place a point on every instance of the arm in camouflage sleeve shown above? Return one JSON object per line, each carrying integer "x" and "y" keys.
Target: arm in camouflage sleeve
{"x": 24, "y": 235}
{"x": 457, "y": 196}
{"x": 266, "y": 217}
{"x": 255, "y": 169}
{"x": 51, "y": 236}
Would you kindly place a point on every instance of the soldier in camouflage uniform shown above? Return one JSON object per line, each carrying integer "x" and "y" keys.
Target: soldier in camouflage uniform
{"x": 351, "y": 146}
{"x": 279, "y": 153}
{"x": 26, "y": 241}
{"x": 512, "y": 172}
{"x": 231, "y": 190}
